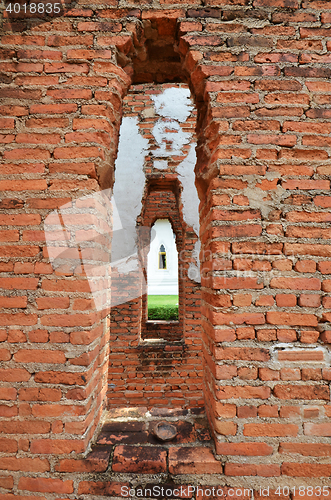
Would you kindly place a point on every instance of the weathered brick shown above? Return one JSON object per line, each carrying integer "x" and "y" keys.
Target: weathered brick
{"x": 139, "y": 459}
{"x": 24, "y": 464}
{"x": 301, "y": 392}
{"x": 270, "y": 430}
{"x": 296, "y": 283}
{"x": 242, "y": 353}
{"x": 243, "y": 449}
{"x": 306, "y": 469}
{"x": 301, "y": 355}
{"x": 187, "y": 460}
{"x": 46, "y": 485}
{"x": 100, "y": 488}
{"x": 284, "y": 318}
{"x": 306, "y": 449}
{"x": 53, "y": 108}
{"x": 56, "y": 446}
{"x": 39, "y": 394}
{"x": 246, "y": 392}
{"x": 263, "y": 470}
{"x": 66, "y": 68}
{"x": 28, "y": 427}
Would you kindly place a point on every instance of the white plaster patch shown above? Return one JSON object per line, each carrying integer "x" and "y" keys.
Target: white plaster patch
{"x": 189, "y": 194}
{"x": 256, "y": 199}
{"x": 194, "y": 269}
{"x": 290, "y": 346}
{"x": 174, "y": 103}
{"x": 190, "y": 202}
{"x": 128, "y": 191}
{"x": 170, "y": 138}
{"x": 160, "y": 164}
{"x": 148, "y": 113}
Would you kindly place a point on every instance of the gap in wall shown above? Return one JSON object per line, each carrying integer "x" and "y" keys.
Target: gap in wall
{"x": 154, "y": 180}
{"x": 162, "y": 273}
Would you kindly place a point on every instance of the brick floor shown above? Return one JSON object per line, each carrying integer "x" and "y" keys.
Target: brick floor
{"x": 129, "y": 461}
{"x": 127, "y": 443}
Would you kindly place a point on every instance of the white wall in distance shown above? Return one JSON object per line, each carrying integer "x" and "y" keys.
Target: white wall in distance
{"x": 162, "y": 281}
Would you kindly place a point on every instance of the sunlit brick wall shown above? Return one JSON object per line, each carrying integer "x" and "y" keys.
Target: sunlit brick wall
{"x": 259, "y": 73}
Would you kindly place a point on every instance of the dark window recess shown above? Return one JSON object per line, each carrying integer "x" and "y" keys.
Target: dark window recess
{"x": 162, "y": 258}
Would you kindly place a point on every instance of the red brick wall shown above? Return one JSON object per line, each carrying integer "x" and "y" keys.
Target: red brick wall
{"x": 259, "y": 72}
{"x": 169, "y": 373}
{"x": 60, "y": 146}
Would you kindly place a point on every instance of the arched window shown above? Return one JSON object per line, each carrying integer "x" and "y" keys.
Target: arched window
{"x": 162, "y": 258}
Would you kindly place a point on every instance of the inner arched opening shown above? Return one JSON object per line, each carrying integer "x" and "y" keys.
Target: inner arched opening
{"x": 162, "y": 273}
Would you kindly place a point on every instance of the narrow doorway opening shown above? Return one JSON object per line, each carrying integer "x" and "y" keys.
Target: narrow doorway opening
{"x": 154, "y": 361}
{"x": 162, "y": 273}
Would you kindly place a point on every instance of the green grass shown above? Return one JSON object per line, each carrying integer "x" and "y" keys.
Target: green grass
{"x": 162, "y": 300}
{"x": 163, "y": 307}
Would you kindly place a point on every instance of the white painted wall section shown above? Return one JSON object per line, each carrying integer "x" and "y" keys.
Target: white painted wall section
{"x": 163, "y": 281}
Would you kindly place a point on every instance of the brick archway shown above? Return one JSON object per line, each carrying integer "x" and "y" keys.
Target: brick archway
{"x": 74, "y": 132}
{"x": 263, "y": 180}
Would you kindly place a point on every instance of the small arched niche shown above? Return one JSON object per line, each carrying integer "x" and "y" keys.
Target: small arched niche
{"x": 162, "y": 273}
